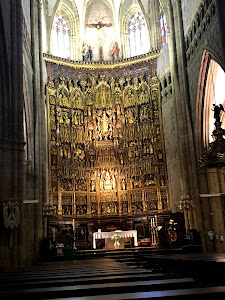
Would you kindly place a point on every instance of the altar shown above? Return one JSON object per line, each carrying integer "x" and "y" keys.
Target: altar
{"x": 115, "y": 239}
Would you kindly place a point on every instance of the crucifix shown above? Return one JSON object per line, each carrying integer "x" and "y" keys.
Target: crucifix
{"x": 99, "y": 25}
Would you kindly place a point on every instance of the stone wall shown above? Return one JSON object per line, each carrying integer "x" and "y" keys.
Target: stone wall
{"x": 171, "y": 146}
{"x": 163, "y": 63}
{"x": 95, "y": 12}
{"x": 22, "y": 134}
{"x": 170, "y": 124}
{"x": 11, "y": 133}
{"x": 189, "y": 8}
{"x": 206, "y": 39}
{"x": 26, "y": 13}
{"x": 194, "y": 27}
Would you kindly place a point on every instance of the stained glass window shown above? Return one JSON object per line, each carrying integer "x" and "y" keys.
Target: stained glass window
{"x": 163, "y": 25}
{"x": 138, "y": 35}
{"x": 60, "y": 37}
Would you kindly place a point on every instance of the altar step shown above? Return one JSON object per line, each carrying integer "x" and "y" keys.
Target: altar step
{"x": 100, "y": 279}
{"x": 132, "y": 261}
{"x": 129, "y": 252}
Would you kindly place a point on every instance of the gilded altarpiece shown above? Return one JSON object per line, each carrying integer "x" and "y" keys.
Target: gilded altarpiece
{"x": 106, "y": 153}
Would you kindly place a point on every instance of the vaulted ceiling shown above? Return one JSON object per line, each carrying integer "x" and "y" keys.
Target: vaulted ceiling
{"x": 115, "y": 4}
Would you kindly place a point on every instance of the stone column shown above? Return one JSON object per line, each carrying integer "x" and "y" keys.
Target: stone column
{"x": 214, "y": 176}
{"x": 213, "y": 164}
{"x": 74, "y": 52}
{"x": 154, "y": 25}
{"x": 185, "y": 140}
{"x": 39, "y": 121}
{"x": 17, "y": 132}
{"x": 191, "y": 218}
{"x": 207, "y": 243}
{"x": 125, "y": 46}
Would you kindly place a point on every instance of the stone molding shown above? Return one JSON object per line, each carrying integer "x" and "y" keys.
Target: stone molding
{"x": 199, "y": 26}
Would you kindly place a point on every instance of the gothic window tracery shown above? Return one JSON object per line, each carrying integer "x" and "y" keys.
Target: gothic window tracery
{"x": 61, "y": 37}
{"x": 137, "y": 34}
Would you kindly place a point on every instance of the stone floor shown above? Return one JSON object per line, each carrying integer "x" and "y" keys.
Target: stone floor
{"x": 120, "y": 276}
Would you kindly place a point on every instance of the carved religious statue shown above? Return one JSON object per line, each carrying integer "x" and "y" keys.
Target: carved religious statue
{"x": 116, "y": 52}
{"x": 217, "y": 109}
{"x": 106, "y": 146}
{"x": 99, "y": 25}
{"x": 87, "y": 52}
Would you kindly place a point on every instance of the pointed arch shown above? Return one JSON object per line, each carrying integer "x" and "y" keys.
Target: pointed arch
{"x": 100, "y": 40}
{"x": 103, "y": 96}
{"x": 90, "y": 2}
{"x": 125, "y": 34}
{"x": 143, "y": 93}
{"x": 129, "y": 96}
{"x": 70, "y": 13}
{"x": 210, "y": 70}
{"x": 76, "y": 98}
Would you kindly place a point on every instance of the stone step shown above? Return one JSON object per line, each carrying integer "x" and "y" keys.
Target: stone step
{"x": 99, "y": 289}
{"x": 65, "y": 281}
{"x": 71, "y": 275}
{"x": 215, "y": 292}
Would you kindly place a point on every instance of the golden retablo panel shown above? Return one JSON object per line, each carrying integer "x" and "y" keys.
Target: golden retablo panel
{"x": 106, "y": 146}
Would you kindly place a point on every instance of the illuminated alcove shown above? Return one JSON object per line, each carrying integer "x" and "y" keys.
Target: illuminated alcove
{"x": 214, "y": 94}
{"x": 210, "y": 91}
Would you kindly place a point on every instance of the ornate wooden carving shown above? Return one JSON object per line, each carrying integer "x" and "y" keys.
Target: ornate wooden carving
{"x": 106, "y": 153}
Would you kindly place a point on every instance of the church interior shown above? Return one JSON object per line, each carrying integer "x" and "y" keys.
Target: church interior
{"x": 112, "y": 122}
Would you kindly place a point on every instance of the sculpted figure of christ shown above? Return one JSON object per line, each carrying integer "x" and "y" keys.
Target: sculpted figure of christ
{"x": 99, "y": 26}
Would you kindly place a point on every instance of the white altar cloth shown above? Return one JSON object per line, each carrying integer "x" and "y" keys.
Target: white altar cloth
{"x": 106, "y": 235}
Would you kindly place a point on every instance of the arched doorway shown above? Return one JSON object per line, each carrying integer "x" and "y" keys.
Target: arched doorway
{"x": 214, "y": 94}
{"x": 210, "y": 91}
{"x": 210, "y": 172}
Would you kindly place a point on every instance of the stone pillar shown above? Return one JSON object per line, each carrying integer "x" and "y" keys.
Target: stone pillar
{"x": 73, "y": 48}
{"x": 125, "y": 46}
{"x": 185, "y": 140}
{"x": 213, "y": 167}
{"x": 191, "y": 219}
{"x": 211, "y": 186}
{"x": 154, "y": 25}
{"x": 12, "y": 175}
{"x": 207, "y": 243}
{"x": 214, "y": 177}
